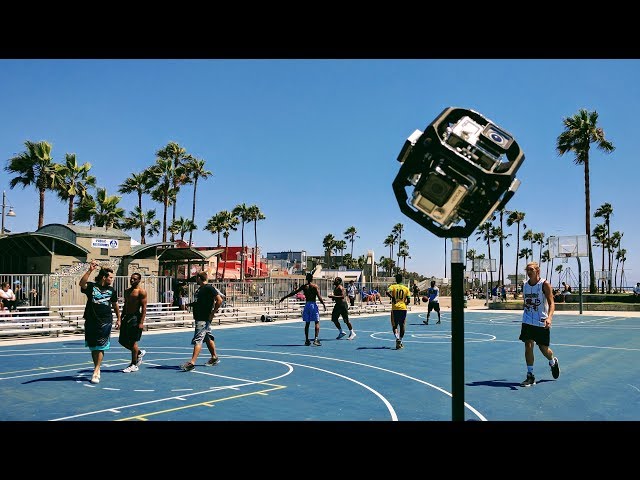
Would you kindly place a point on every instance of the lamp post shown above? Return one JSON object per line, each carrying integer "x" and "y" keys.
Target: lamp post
{"x": 10, "y": 213}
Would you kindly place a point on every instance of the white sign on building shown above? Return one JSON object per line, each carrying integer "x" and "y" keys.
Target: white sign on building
{"x": 104, "y": 243}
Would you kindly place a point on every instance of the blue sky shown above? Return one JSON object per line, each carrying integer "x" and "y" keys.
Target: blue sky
{"x": 313, "y": 142}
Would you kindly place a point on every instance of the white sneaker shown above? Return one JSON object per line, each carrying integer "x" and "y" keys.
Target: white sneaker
{"x": 141, "y": 353}
{"x": 352, "y": 336}
{"x": 95, "y": 378}
{"x": 131, "y": 368}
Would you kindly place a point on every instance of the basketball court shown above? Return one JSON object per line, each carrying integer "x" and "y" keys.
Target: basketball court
{"x": 267, "y": 374}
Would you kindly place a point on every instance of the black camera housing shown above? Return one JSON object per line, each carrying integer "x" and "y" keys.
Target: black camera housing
{"x": 462, "y": 168}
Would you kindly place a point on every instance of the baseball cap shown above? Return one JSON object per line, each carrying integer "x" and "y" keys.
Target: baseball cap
{"x": 17, "y": 282}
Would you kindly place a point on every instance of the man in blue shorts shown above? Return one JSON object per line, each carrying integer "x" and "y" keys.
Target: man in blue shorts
{"x": 310, "y": 313}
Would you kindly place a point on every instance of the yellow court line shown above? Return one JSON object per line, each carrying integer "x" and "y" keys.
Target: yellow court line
{"x": 208, "y": 403}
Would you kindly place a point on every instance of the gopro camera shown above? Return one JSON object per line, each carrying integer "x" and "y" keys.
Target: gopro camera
{"x": 462, "y": 168}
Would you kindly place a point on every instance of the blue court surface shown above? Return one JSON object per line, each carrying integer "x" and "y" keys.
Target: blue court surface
{"x": 267, "y": 374}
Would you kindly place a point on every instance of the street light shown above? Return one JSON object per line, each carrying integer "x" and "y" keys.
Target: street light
{"x": 10, "y": 213}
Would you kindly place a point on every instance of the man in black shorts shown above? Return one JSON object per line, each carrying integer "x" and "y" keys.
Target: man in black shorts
{"x": 433, "y": 293}
{"x": 134, "y": 311}
{"x": 341, "y": 309}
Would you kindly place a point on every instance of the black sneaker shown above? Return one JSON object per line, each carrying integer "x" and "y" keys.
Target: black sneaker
{"x": 307, "y": 343}
{"x": 530, "y": 380}
{"x": 555, "y": 368}
{"x": 438, "y": 322}
{"x": 426, "y": 322}
{"x": 212, "y": 362}
{"x": 187, "y": 367}
{"x": 399, "y": 344}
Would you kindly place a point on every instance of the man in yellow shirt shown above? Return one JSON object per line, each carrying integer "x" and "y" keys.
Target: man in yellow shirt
{"x": 400, "y": 296}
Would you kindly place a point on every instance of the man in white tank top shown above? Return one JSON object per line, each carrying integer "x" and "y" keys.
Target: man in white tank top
{"x": 536, "y": 322}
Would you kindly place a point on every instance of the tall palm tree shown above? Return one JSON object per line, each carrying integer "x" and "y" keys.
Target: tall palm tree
{"x": 538, "y": 239}
{"x": 403, "y": 252}
{"x": 621, "y": 256}
{"x": 390, "y": 241}
{"x": 178, "y": 157}
{"x": 35, "y": 166}
{"x": 195, "y": 169}
{"x": 140, "y": 184}
{"x": 215, "y": 225}
{"x": 600, "y": 235}
{"x": 501, "y": 238}
{"x": 487, "y": 232}
{"x": 606, "y": 211}
{"x": 228, "y": 222}
{"x": 162, "y": 174}
{"x": 581, "y": 130}
{"x": 255, "y": 215}
{"x": 516, "y": 217}
{"x": 350, "y": 236}
{"x": 242, "y": 212}
{"x": 74, "y": 181}
{"x": 614, "y": 241}
{"x": 327, "y": 243}
{"x": 396, "y": 231}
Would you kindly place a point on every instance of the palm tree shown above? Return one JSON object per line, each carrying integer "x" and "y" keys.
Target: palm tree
{"x": 145, "y": 221}
{"x": 606, "y": 211}
{"x": 178, "y": 157}
{"x": 227, "y": 222}
{"x": 487, "y": 232}
{"x": 538, "y": 239}
{"x": 327, "y": 243}
{"x": 517, "y": 218}
{"x": 581, "y": 130}
{"x": 615, "y": 241}
{"x": 181, "y": 226}
{"x": 195, "y": 169}
{"x": 35, "y": 166}
{"x": 215, "y": 225}
{"x": 396, "y": 231}
{"x": 140, "y": 184}
{"x": 390, "y": 241}
{"x": 502, "y": 237}
{"x": 86, "y": 209}
{"x": 162, "y": 174}
{"x": 600, "y": 234}
{"x": 350, "y": 236}
{"x": 255, "y": 215}
{"x": 403, "y": 252}
{"x": 621, "y": 256}
{"x": 242, "y": 212}
{"x": 108, "y": 214}
{"x": 74, "y": 181}
{"x": 559, "y": 270}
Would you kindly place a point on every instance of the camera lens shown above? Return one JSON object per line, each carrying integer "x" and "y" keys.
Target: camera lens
{"x": 497, "y": 137}
{"x": 437, "y": 189}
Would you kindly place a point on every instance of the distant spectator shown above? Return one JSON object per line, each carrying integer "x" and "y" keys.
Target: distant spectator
{"x": 416, "y": 294}
{"x": 7, "y": 296}
{"x": 503, "y": 293}
{"x": 636, "y": 289}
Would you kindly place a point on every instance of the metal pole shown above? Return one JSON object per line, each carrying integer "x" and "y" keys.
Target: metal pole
{"x": 580, "y": 283}
{"x": 457, "y": 330}
{"x": 4, "y": 200}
